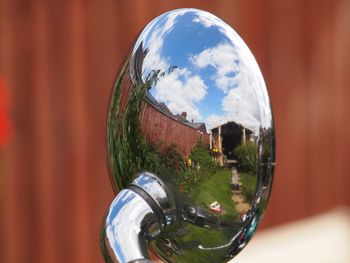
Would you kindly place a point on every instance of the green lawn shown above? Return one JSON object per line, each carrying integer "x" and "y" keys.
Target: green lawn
{"x": 207, "y": 238}
{"x": 216, "y": 188}
{"x": 248, "y": 185}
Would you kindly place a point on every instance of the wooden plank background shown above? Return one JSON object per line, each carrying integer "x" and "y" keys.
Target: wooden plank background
{"x": 59, "y": 60}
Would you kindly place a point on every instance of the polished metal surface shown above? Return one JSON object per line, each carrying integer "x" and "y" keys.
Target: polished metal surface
{"x": 158, "y": 192}
{"x": 124, "y": 236}
{"x": 191, "y": 135}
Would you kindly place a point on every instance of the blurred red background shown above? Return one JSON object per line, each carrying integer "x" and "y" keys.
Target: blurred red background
{"x": 59, "y": 60}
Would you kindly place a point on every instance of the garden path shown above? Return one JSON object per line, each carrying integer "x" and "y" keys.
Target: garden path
{"x": 242, "y": 206}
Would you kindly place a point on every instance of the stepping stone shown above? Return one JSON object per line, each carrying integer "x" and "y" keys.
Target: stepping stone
{"x": 243, "y": 207}
{"x": 238, "y": 198}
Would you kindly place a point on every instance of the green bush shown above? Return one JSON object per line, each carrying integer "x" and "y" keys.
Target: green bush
{"x": 247, "y": 157}
{"x": 149, "y": 156}
{"x": 202, "y": 167}
{"x": 172, "y": 158}
{"x": 249, "y": 184}
{"x": 201, "y": 155}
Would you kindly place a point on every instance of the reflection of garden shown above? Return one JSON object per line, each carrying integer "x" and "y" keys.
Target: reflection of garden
{"x": 185, "y": 248}
{"x": 199, "y": 176}
{"x": 203, "y": 172}
{"x": 217, "y": 187}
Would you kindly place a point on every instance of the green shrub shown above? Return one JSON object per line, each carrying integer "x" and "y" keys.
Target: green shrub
{"x": 247, "y": 157}
{"x": 249, "y": 184}
{"x": 172, "y": 158}
{"x": 203, "y": 166}
{"x": 201, "y": 155}
{"x": 149, "y": 156}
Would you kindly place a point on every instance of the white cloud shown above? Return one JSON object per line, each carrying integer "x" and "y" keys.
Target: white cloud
{"x": 238, "y": 76}
{"x": 224, "y": 59}
{"x": 153, "y": 59}
{"x": 242, "y": 105}
{"x": 181, "y": 91}
{"x": 207, "y": 19}
{"x": 207, "y": 22}
{"x": 214, "y": 120}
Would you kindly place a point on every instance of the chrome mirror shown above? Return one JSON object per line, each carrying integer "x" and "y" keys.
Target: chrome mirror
{"x": 191, "y": 144}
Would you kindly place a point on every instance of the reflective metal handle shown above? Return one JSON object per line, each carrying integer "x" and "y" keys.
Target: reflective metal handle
{"x": 135, "y": 217}
{"x": 124, "y": 236}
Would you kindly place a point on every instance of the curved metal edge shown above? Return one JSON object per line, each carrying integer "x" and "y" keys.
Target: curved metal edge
{"x": 135, "y": 217}
{"x": 125, "y": 229}
{"x": 153, "y": 185}
{"x": 141, "y": 261}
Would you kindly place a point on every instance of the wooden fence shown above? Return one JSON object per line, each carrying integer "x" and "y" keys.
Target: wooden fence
{"x": 159, "y": 127}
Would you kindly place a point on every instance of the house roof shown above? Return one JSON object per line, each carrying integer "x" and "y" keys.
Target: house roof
{"x": 195, "y": 125}
{"x": 161, "y": 106}
{"x": 232, "y": 123}
{"x": 181, "y": 118}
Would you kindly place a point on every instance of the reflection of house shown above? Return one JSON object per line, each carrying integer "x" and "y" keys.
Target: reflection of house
{"x": 199, "y": 126}
{"x": 225, "y": 138}
{"x": 163, "y": 108}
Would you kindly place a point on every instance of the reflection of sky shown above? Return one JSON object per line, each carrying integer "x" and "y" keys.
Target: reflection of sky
{"x": 118, "y": 206}
{"x": 189, "y": 40}
{"x": 216, "y": 79}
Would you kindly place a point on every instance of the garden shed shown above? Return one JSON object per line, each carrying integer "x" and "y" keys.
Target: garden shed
{"x": 226, "y": 137}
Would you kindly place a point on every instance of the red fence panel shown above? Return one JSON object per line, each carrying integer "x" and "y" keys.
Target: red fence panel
{"x": 159, "y": 127}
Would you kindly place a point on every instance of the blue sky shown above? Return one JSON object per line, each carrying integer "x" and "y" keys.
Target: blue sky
{"x": 217, "y": 78}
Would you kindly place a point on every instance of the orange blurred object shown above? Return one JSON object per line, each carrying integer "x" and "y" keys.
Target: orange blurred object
{"x": 5, "y": 127}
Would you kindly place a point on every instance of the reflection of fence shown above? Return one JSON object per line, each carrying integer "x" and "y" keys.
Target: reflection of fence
{"x": 159, "y": 127}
